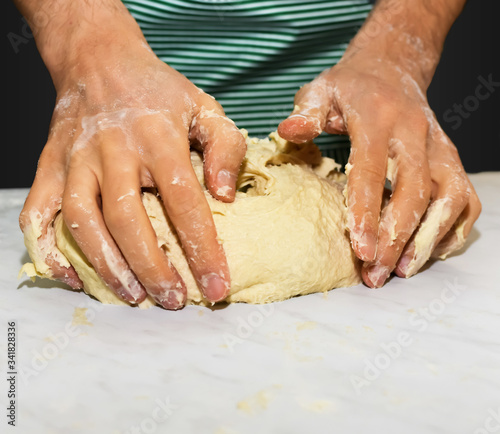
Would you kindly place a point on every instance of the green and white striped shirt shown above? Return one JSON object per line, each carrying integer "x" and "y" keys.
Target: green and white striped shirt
{"x": 253, "y": 55}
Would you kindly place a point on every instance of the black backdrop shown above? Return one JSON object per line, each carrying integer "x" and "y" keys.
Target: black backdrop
{"x": 471, "y": 55}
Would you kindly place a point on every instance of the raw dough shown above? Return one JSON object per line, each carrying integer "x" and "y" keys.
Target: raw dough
{"x": 284, "y": 235}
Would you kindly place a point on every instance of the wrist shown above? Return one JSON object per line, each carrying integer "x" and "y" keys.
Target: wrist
{"x": 83, "y": 34}
{"x": 408, "y": 34}
{"x": 409, "y": 54}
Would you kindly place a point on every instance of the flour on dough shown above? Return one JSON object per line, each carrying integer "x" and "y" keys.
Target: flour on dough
{"x": 283, "y": 236}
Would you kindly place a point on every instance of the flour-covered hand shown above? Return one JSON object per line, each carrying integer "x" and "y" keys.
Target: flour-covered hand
{"x": 376, "y": 95}
{"x": 123, "y": 121}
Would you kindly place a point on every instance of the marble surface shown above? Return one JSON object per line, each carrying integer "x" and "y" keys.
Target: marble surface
{"x": 417, "y": 356}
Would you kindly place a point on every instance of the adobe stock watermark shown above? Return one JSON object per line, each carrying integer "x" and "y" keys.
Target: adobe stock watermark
{"x": 160, "y": 414}
{"x": 491, "y": 422}
{"x": 419, "y": 320}
{"x": 39, "y": 20}
{"x": 57, "y": 343}
{"x": 471, "y": 103}
{"x": 221, "y": 7}
{"x": 279, "y": 115}
{"x": 12, "y": 397}
{"x": 246, "y": 327}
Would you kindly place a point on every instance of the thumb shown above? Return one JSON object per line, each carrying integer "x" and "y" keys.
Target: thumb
{"x": 224, "y": 148}
{"x": 309, "y": 117}
{"x": 37, "y": 217}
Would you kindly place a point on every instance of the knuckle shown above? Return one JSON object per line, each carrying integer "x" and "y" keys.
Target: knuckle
{"x": 418, "y": 178}
{"x": 459, "y": 190}
{"x": 49, "y": 155}
{"x": 241, "y": 145}
{"x": 419, "y": 121}
{"x": 183, "y": 203}
{"x": 69, "y": 208}
{"x": 385, "y": 102}
{"x": 151, "y": 274}
{"x": 307, "y": 89}
{"x": 475, "y": 204}
{"x": 424, "y": 184}
{"x": 380, "y": 98}
{"x": 24, "y": 219}
{"x": 368, "y": 170}
{"x": 210, "y": 103}
{"x": 217, "y": 106}
{"x": 72, "y": 207}
{"x": 116, "y": 219}
{"x": 119, "y": 211}
{"x": 237, "y": 144}
{"x": 184, "y": 210}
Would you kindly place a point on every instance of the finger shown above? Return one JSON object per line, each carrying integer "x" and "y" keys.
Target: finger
{"x": 366, "y": 173}
{"x": 223, "y": 147}
{"x": 187, "y": 208}
{"x": 449, "y": 200}
{"x": 411, "y": 185}
{"x": 456, "y": 237}
{"x": 312, "y": 105}
{"x": 434, "y": 225}
{"x": 83, "y": 217}
{"x": 129, "y": 225}
{"x": 37, "y": 217}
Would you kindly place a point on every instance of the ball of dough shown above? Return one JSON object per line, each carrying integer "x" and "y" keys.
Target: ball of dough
{"x": 284, "y": 235}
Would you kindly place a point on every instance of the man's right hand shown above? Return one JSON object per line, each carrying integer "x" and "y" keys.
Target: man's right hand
{"x": 125, "y": 120}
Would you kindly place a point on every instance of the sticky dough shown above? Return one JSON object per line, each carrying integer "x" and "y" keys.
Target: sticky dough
{"x": 283, "y": 236}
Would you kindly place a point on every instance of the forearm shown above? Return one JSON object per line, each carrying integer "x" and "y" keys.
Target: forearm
{"x": 410, "y": 33}
{"x": 68, "y": 31}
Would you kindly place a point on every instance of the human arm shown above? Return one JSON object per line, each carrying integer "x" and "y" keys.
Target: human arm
{"x": 377, "y": 95}
{"x": 125, "y": 120}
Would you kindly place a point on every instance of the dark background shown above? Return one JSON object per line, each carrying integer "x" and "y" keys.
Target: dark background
{"x": 471, "y": 51}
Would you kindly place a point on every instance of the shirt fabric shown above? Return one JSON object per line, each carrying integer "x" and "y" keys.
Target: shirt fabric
{"x": 253, "y": 55}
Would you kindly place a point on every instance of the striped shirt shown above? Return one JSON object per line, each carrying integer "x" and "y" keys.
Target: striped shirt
{"x": 253, "y": 55}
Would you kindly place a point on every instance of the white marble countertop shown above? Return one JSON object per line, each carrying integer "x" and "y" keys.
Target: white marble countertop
{"x": 417, "y": 356}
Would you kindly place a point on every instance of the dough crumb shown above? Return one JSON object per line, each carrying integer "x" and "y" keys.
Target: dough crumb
{"x": 306, "y": 325}
{"x": 80, "y": 317}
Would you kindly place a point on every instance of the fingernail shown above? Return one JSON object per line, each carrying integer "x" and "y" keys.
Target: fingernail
{"x": 68, "y": 276}
{"x": 125, "y": 294}
{"x": 402, "y": 268}
{"x": 365, "y": 245}
{"x": 171, "y": 299}
{"x": 137, "y": 291}
{"x": 214, "y": 287}
{"x": 226, "y": 182}
{"x": 377, "y": 275}
{"x": 300, "y": 117}
{"x": 300, "y": 128}
{"x": 72, "y": 281}
{"x": 131, "y": 291}
{"x": 175, "y": 300}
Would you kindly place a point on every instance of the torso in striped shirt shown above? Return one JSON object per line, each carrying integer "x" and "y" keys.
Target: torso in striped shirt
{"x": 253, "y": 55}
